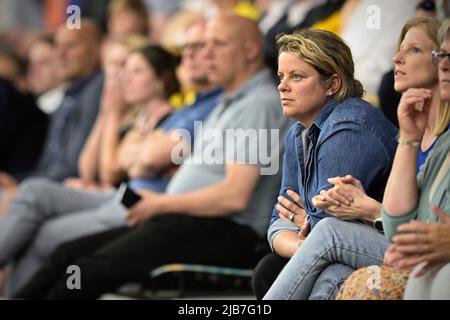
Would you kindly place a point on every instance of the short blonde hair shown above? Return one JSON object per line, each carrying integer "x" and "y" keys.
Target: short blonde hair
{"x": 443, "y": 117}
{"x": 328, "y": 54}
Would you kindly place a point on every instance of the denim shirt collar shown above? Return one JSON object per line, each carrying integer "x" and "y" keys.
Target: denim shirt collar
{"x": 324, "y": 113}
{"x": 320, "y": 120}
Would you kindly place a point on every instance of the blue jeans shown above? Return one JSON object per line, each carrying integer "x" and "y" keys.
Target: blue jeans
{"x": 330, "y": 253}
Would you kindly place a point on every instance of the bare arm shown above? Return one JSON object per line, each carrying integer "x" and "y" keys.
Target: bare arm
{"x": 156, "y": 154}
{"x": 221, "y": 199}
{"x": 89, "y": 159}
{"x": 110, "y": 169}
{"x": 401, "y": 192}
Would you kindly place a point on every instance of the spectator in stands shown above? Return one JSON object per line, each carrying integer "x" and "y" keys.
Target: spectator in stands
{"x": 365, "y": 33}
{"x": 43, "y": 79}
{"x": 206, "y": 201}
{"x": 98, "y": 163}
{"x": 387, "y": 96}
{"x": 416, "y": 208}
{"x": 78, "y": 51}
{"x": 318, "y": 89}
{"x": 91, "y": 216}
{"x": 127, "y": 17}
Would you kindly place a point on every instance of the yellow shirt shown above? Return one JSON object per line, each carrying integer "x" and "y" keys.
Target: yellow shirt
{"x": 248, "y": 10}
{"x": 332, "y": 23}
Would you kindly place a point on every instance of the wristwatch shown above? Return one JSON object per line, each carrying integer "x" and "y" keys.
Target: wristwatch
{"x": 378, "y": 224}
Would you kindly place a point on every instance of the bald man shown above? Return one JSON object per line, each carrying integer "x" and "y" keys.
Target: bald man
{"x": 213, "y": 212}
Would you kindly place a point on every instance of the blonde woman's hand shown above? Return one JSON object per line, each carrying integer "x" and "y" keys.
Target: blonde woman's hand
{"x": 413, "y": 112}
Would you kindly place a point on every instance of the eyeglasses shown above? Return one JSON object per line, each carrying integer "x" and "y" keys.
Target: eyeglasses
{"x": 438, "y": 56}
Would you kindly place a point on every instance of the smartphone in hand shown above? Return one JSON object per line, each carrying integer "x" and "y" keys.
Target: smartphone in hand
{"x": 127, "y": 196}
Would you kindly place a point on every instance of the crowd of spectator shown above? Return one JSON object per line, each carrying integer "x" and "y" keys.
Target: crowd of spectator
{"x": 347, "y": 99}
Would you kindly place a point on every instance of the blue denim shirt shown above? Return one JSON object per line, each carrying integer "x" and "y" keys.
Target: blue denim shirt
{"x": 350, "y": 137}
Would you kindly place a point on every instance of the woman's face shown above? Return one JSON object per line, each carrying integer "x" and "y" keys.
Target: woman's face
{"x": 413, "y": 64}
{"x": 302, "y": 91}
{"x": 444, "y": 73}
{"x": 140, "y": 81}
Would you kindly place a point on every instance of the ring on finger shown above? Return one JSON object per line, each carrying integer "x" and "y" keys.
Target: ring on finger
{"x": 292, "y": 217}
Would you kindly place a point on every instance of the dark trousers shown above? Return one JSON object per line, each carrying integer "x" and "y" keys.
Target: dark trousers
{"x": 110, "y": 259}
{"x": 266, "y": 272}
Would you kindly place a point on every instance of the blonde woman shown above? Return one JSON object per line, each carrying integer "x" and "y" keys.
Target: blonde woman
{"x": 333, "y": 131}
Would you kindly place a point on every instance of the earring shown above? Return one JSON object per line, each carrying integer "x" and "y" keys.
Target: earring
{"x": 329, "y": 93}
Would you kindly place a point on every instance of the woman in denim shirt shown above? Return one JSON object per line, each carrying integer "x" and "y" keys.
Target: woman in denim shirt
{"x": 337, "y": 133}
